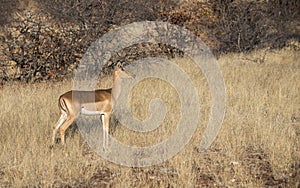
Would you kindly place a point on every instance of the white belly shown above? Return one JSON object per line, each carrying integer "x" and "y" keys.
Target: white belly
{"x": 90, "y": 112}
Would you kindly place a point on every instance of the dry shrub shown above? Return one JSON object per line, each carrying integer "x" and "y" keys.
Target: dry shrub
{"x": 7, "y": 9}
{"x": 46, "y": 39}
{"x": 243, "y": 26}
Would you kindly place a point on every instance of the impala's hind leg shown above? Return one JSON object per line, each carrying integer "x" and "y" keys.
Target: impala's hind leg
{"x": 62, "y": 119}
{"x": 64, "y": 127}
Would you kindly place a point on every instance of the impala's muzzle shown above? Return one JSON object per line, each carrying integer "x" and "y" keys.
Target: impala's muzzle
{"x": 129, "y": 74}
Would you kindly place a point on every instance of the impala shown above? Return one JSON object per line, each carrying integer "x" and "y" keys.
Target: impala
{"x": 96, "y": 102}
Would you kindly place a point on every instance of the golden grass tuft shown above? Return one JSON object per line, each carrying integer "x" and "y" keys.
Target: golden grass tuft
{"x": 258, "y": 144}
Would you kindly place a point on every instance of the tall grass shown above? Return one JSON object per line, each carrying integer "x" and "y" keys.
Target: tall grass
{"x": 258, "y": 139}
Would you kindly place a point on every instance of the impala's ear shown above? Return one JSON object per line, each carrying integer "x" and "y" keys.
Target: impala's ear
{"x": 119, "y": 65}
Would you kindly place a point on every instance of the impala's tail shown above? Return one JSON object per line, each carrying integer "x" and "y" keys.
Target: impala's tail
{"x": 62, "y": 104}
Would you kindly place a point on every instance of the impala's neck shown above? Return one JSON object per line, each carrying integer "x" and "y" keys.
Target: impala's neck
{"x": 116, "y": 89}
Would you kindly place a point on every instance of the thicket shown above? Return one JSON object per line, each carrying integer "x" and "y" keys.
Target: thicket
{"x": 48, "y": 39}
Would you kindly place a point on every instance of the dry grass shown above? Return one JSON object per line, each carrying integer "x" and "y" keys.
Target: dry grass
{"x": 258, "y": 144}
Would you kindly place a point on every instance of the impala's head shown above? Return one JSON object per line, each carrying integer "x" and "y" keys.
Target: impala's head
{"x": 120, "y": 72}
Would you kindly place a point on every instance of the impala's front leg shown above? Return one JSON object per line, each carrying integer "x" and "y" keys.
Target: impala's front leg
{"x": 105, "y": 126}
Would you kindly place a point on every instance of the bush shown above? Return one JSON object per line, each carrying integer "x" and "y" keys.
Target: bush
{"x": 46, "y": 39}
{"x": 246, "y": 25}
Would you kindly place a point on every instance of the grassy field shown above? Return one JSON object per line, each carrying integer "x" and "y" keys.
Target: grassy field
{"x": 258, "y": 144}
